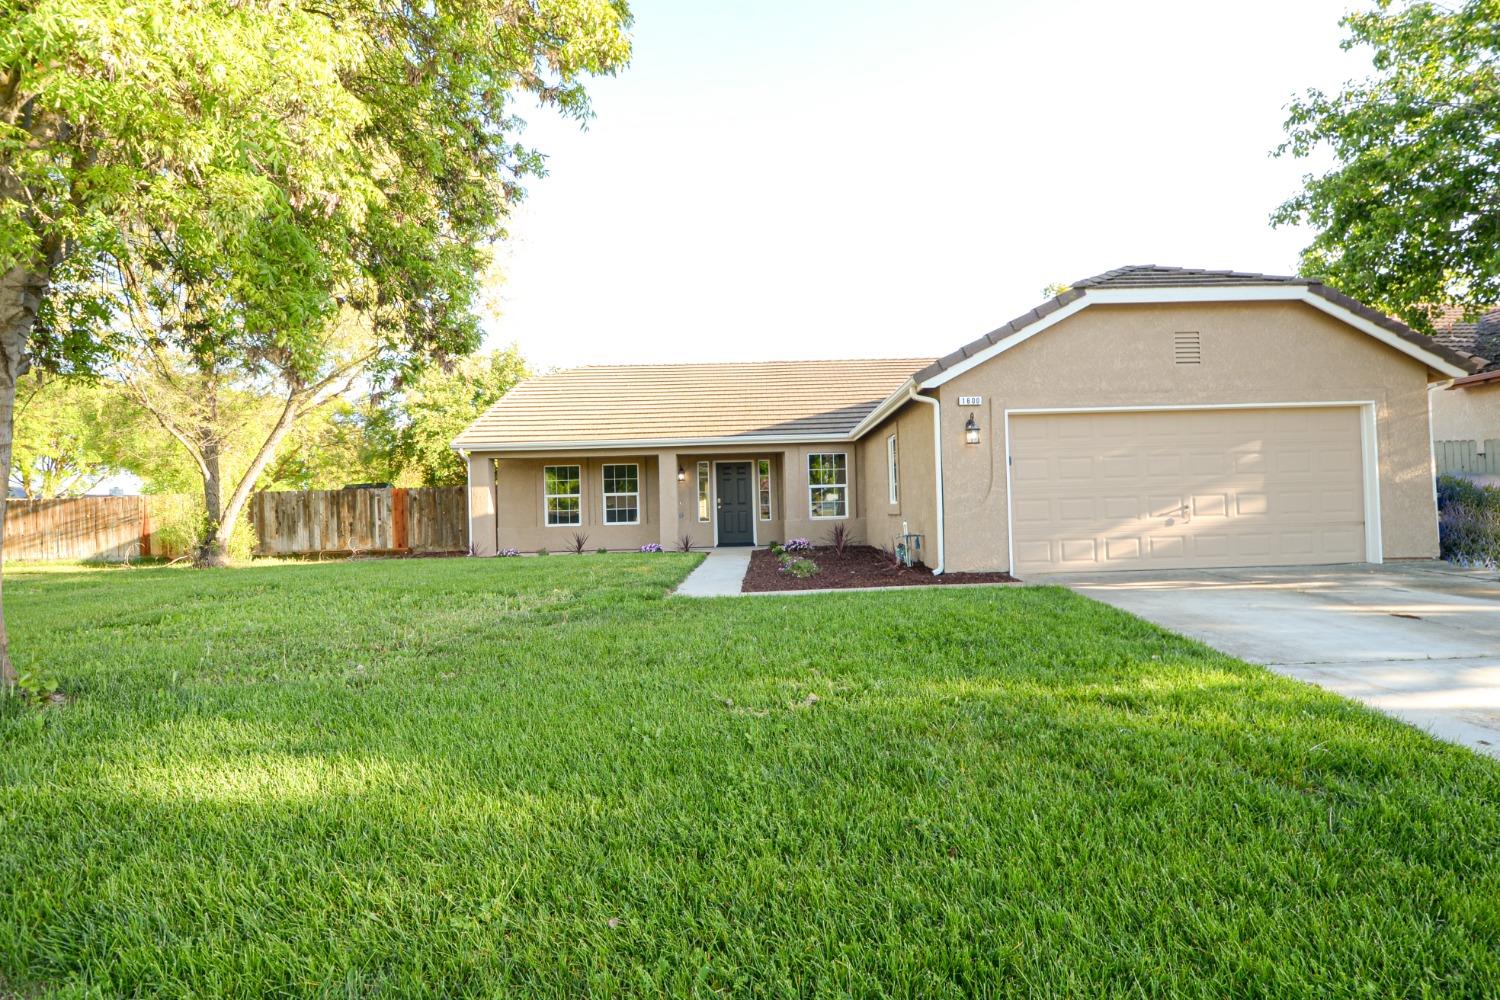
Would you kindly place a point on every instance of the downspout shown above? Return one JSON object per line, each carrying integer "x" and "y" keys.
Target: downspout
{"x": 937, "y": 463}
{"x": 468, "y": 498}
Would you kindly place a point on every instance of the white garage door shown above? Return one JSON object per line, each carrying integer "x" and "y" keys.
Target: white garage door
{"x": 1165, "y": 489}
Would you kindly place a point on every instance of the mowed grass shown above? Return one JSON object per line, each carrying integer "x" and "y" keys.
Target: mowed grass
{"x": 544, "y": 777}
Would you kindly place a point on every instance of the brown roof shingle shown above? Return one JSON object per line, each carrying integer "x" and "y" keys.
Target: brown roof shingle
{"x": 689, "y": 402}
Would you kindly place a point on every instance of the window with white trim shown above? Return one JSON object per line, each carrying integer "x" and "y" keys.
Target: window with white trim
{"x": 622, "y": 494}
{"x": 562, "y": 487}
{"x": 763, "y": 487}
{"x": 703, "y": 497}
{"x": 893, "y": 468}
{"x": 828, "y": 485}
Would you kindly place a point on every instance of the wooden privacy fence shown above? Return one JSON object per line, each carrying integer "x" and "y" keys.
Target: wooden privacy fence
{"x": 306, "y": 522}
{"x": 1467, "y": 456}
{"x": 309, "y": 522}
{"x": 107, "y": 528}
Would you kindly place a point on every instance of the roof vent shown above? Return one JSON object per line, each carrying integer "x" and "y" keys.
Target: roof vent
{"x": 1187, "y": 349}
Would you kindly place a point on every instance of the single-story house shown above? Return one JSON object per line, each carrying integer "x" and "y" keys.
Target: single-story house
{"x": 1468, "y": 409}
{"x": 1148, "y": 417}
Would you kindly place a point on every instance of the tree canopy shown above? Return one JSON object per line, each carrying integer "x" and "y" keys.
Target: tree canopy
{"x": 1409, "y": 218}
{"x": 248, "y": 196}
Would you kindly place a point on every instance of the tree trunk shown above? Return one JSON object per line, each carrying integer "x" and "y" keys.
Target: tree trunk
{"x": 237, "y": 501}
{"x": 21, "y": 291}
{"x": 213, "y": 547}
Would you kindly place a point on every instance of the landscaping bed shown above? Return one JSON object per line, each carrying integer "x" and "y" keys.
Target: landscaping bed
{"x": 856, "y": 566}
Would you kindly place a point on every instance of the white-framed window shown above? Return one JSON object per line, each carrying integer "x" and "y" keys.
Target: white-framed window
{"x": 703, "y": 493}
{"x": 828, "y": 485}
{"x": 562, "y": 486}
{"x": 893, "y": 468}
{"x": 763, "y": 487}
{"x": 622, "y": 494}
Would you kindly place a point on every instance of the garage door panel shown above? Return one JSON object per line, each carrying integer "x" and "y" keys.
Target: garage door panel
{"x": 1187, "y": 488}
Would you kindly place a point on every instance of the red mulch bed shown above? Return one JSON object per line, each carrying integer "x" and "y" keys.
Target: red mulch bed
{"x": 859, "y": 566}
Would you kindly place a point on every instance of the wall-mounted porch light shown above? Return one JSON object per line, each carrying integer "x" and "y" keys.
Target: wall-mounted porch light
{"x": 681, "y": 475}
{"x": 971, "y": 431}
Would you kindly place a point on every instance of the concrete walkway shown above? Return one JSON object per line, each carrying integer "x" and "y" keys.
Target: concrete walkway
{"x": 719, "y": 575}
{"x": 1419, "y": 641}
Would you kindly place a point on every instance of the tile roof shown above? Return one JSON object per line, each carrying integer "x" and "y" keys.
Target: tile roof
{"x": 667, "y": 404}
{"x": 1469, "y": 332}
{"x": 1154, "y": 276}
{"x": 679, "y": 403}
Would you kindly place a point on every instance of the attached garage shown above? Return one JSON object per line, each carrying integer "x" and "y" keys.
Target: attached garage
{"x": 1155, "y": 418}
{"x": 1195, "y": 487}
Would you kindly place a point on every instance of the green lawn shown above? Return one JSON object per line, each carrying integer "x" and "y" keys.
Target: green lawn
{"x": 541, "y": 776}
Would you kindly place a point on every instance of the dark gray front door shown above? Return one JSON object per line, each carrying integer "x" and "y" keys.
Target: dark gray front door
{"x": 735, "y": 508}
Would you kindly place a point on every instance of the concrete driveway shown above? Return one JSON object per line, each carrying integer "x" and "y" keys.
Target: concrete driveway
{"x": 1419, "y": 641}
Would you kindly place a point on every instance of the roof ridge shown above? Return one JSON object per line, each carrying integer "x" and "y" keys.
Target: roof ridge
{"x": 1172, "y": 270}
{"x": 724, "y": 364}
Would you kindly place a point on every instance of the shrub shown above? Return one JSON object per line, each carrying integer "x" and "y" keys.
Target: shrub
{"x": 651, "y": 547}
{"x": 1469, "y": 522}
{"x": 508, "y": 553}
{"x": 798, "y": 545}
{"x": 798, "y": 566}
{"x": 579, "y": 542}
{"x": 685, "y": 543}
{"x": 543, "y": 552}
{"x": 838, "y": 538}
{"x": 601, "y": 551}
{"x": 177, "y": 524}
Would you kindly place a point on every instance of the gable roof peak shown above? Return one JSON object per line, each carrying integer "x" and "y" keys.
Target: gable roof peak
{"x": 1166, "y": 276}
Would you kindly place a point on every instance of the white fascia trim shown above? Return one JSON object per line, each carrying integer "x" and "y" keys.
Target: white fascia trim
{"x": 892, "y": 402}
{"x": 1212, "y": 293}
{"x": 657, "y": 444}
{"x": 937, "y": 462}
{"x": 1369, "y": 448}
{"x": 1006, "y": 343}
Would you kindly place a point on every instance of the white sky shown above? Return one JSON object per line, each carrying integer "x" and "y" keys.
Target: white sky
{"x": 882, "y": 178}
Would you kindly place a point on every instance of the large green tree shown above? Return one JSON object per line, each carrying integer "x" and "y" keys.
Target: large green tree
{"x": 66, "y": 433}
{"x": 264, "y": 196}
{"x": 1409, "y": 217}
{"x": 424, "y": 418}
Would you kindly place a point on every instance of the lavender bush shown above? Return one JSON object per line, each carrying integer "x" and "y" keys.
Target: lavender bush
{"x": 1469, "y": 522}
{"x": 651, "y": 547}
{"x": 508, "y": 553}
{"x": 798, "y": 545}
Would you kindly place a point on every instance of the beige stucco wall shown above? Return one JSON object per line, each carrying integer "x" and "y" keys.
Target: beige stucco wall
{"x": 1471, "y": 414}
{"x": 917, "y": 496}
{"x": 507, "y": 511}
{"x": 1121, "y": 355}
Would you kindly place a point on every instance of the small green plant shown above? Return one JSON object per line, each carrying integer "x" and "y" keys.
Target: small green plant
{"x": 798, "y": 566}
{"x": 543, "y": 552}
{"x": 35, "y": 686}
{"x": 601, "y": 550}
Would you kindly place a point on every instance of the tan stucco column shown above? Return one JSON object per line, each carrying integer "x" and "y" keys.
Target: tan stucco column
{"x": 483, "y": 525}
{"x": 667, "y": 499}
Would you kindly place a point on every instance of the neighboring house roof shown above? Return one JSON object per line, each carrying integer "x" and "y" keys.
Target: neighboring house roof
{"x": 625, "y": 405}
{"x": 1148, "y": 280}
{"x": 1464, "y": 331}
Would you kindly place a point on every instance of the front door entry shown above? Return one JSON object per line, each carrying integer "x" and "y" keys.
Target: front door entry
{"x": 736, "y": 526}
